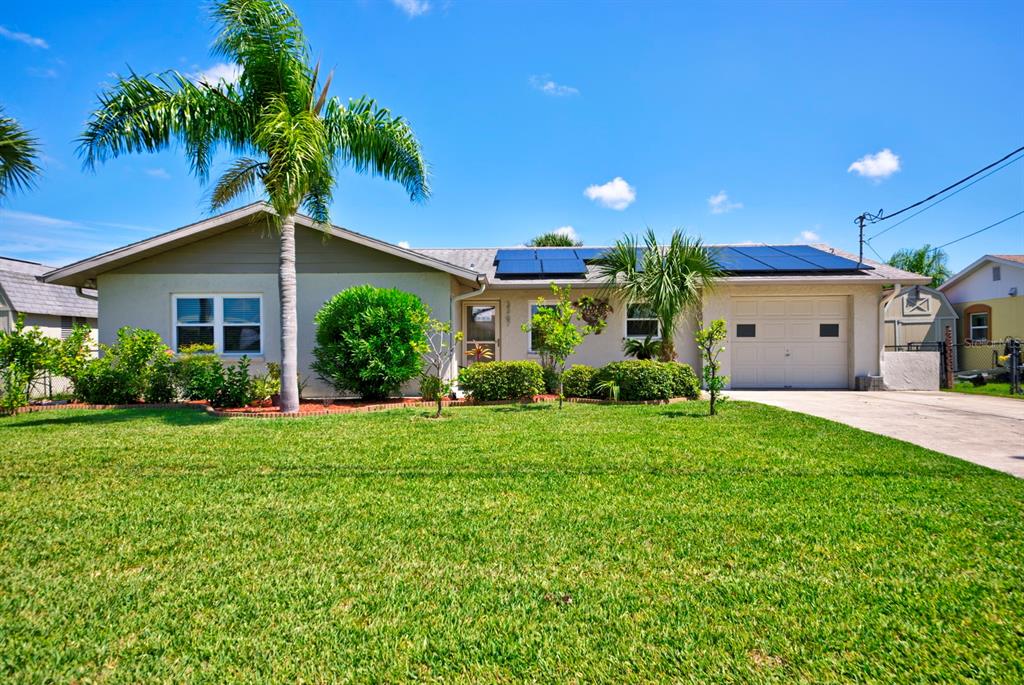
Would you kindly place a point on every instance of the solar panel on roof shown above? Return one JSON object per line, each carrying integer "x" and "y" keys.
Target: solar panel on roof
{"x": 556, "y": 253}
{"x": 588, "y": 253}
{"x": 731, "y": 259}
{"x": 563, "y": 266}
{"x": 518, "y": 267}
{"x": 826, "y": 260}
{"x": 519, "y": 253}
{"x": 775, "y": 259}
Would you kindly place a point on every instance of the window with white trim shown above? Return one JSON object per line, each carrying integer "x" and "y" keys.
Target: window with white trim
{"x": 231, "y": 323}
{"x": 641, "y": 322}
{"x": 534, "y": 308}
{"x": 979, "y": 326}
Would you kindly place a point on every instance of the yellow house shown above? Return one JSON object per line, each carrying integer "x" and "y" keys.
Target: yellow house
{"x": 989, "y": 298}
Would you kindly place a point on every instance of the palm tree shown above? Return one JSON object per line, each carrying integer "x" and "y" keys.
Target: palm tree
{"x": 669, "y": 279}
{"x": 553, "y": 239}
{"x": 18, "y": 154}
{"x": 288, "y": 135}
{"x": 924, "y": 261}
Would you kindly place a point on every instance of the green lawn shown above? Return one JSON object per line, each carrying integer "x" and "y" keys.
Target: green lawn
{"x": 501, "y": 544}
{"x": 994, "y": 389}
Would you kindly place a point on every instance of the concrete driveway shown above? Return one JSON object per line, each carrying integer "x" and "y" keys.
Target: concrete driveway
{"x": 985, "y": 430}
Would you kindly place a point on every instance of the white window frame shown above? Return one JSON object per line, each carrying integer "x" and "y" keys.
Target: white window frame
{"x": 534, "y": 308}
{"x": 625, "y": 332}
{"x": 218, "y": 320}
{"x": 971, "y": 325}
{"x": 997, "y": 273}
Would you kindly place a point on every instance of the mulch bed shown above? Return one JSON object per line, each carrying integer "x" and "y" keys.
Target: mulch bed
{"x": 318, "y": 407}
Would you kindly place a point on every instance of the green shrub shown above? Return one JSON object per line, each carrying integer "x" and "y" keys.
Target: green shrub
{"x": 550, "y": 374}
{"x": 160, "y": 387}
{"x": 198, "y": 372}
{"x": 122, "y": 374}
{"x": 236, "y": 390}
{"x": 25, "y": 354}
{"x": 637, "y": 380}
{"x": 369, "y": 340}
{"x": 430, "y": 388}
{"x": 684, "y": 381}
{"x": 577, "y": 380}
{"x": 266, "y": 386}
{"x": 494, "y": 381}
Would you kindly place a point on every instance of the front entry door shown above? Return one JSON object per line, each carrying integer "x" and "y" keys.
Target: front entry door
{"x": 481, "y": 328}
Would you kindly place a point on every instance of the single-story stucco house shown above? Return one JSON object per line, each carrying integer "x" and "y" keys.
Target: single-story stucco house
{"x": 54, "y": 309}
{"x": 799, "y": 316}
{"x": 988, "y": 296}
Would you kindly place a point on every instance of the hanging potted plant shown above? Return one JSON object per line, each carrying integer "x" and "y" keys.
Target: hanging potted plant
{"x": 594, "y": 311}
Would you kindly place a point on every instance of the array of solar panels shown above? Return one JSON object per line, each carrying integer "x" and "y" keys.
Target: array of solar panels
{"x": 745, "y": 259}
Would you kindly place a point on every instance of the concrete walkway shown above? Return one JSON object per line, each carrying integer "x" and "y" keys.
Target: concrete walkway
{"x": 985, "y": 430}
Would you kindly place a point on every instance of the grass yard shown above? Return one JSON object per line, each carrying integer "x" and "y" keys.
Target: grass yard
{"x": 993, "y": 389}
{"x": 615, "y": 544}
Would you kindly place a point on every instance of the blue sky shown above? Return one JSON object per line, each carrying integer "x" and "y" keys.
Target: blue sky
{"x": 738, "y": 122}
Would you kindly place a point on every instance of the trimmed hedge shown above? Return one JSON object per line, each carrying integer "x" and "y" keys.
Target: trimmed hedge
{"x": 638, "y": 380}
{"x": 494, "y": 381}
{"x": 577, "y": 380}
{"x": 684, "y": 381}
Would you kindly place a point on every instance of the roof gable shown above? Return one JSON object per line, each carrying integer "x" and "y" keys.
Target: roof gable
{"x": 1012, "y": 261}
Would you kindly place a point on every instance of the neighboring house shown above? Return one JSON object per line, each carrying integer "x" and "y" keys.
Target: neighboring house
{"x": 799, "y": 316}
{"x": 55, "y": 309}
{"x": 918, "y": 315}
{"x": 989, "y": 297}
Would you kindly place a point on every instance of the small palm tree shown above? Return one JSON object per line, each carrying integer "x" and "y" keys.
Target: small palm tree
{"x": 924, "y": 261}
{"x": 646, "y": 348}
{"x": 669, "y": 279}
{"x": 288, "y": 135}
{"x": 18, "y": 154}
{"x": 554, "y": 239}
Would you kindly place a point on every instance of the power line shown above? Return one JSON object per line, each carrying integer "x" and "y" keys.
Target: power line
{"x": 943, "y": 199}
{"x": 980, "y": 230}
{"x": 884, "y": 217}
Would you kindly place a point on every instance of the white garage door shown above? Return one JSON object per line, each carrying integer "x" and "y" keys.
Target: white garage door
{"x": 789, "y": 342}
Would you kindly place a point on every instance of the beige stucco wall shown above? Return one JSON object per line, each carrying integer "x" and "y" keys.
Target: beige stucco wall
{"x": 596, "y": 350}
{"x": 244, "y": 261}
{"x": 1007, "y": 321}
{"x": 49, "y": 324}
{"x": 863, "y": 311}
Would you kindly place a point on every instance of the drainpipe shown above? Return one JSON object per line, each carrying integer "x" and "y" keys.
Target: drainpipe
{"x": 480, "y": 281}
{"x": 81, "y": 293}
{"x": 881, "y": 328}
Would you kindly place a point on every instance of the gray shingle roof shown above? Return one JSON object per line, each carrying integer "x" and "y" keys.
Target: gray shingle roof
{"x": 481, "y": 259}
{"x": 28, "y": 295}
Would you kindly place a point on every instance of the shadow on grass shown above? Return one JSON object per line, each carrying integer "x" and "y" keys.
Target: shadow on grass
{"x": 96, "y": 417}
{"x": 518, "y": 408}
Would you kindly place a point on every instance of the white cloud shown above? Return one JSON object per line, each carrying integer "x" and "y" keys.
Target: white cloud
{"x": 413, "y": 8}
{"x": 52, "y": 240}
{"x": 42, "y": 72}
{"x": 615, "y": 194}
{"x": 38, "y": 220}
{"x": 877, "y": 166}
{"x": 158, "y": 173}
{"x": 545, "y": 85}
{"x": 569, "y": 232}
{"x": 719, "y": 203}
{"x": 404, "y": 244}
{"x": 228, "y": 73}
{"x": 23, "y": 38}
{"x": 807, "y": 237}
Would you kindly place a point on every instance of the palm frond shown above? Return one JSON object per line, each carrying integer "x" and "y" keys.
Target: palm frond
{"x": 298, "y": 154}
{"x": 19, "y": 151}
{"x": 140, "y": 114}
{"x": 241, "y": 178}
{"x": 369, "y": 138}
{"x": 266, "y": 38}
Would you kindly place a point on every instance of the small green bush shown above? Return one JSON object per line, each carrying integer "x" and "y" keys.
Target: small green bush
{"x": 370, "y": 340}
{"x": 637, "y": 380}
{"x": 494, "y": 381}
{"x": 577, "y": 380}
{"x": 550, "y": 379}
{"x": 430, "y": 388}
{"x": 198, "y": 372}
{"x": 684, "y": 381}
{"x": 160, "y": 387}
{"x": 236, "y": 390}
{"x": 122, "y": 375}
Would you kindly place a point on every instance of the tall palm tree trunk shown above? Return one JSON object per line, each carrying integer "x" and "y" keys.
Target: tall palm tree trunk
{"x": 289, "y": 325}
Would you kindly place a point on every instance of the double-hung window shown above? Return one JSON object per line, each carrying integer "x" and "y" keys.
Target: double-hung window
{"x": 641, "y": 322}
{"x": 231, "y": 323}
{"x": 979, "y": 326}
